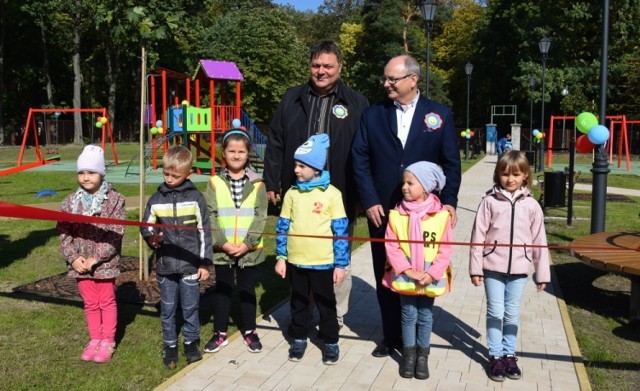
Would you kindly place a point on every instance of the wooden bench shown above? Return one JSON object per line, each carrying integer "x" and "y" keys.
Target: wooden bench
{"x": 616, "y": 252}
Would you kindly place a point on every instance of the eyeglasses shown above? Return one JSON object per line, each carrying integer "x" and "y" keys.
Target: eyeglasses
{"x": 393, "y": 80}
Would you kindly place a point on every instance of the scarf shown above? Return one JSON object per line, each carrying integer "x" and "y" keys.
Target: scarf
{"x": 89, "y": 204}
{"x": 416, "y": 211}
{"x": 323, "y": 181}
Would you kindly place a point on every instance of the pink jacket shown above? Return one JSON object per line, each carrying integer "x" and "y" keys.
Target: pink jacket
{"x": 398, "y": 260}
{"x": 502, "y": 221}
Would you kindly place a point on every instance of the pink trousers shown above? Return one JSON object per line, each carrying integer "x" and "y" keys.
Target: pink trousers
{"x": 100, "y": 307}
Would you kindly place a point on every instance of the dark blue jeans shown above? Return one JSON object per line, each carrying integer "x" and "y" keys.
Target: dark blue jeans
{"x": 184, "y": 290}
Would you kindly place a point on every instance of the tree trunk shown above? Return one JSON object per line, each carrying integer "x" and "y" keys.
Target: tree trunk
{"x": 2, "y": 35}
{"x": 111, "y": 104}
{"x": 77, "y": 77}
{"x": 45, "y": 64}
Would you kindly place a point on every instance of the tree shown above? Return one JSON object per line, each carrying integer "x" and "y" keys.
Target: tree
{"x": 264, "y": 45}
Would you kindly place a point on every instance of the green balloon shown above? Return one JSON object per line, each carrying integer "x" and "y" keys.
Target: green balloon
{"x": 586, "y": 121}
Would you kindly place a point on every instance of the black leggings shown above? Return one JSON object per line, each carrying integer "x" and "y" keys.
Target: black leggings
{"x": 245, "y": 279}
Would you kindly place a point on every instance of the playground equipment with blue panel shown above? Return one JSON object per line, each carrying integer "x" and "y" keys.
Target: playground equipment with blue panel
{"x": 186, "y": 122}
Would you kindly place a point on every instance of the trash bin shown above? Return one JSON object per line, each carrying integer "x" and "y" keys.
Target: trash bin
{"x": 531, "y": 158}
{"x": 555, "y": 186}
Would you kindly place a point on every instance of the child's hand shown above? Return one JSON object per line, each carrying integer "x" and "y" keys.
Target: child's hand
{"x": 338, "y": 275}
{"x": 80, "y": 265}
{"x": 239, "y": 250}
{"x": 91, "y": 264}
{"x": 477, "y": 280}
{"x": 281, "y": 267}
{"x": 203, "y": 273}
{"x": 156, "y": 240}
{"x": 540, "y": 287}
{"x": 414, "y": 274}
{"x": 426, "y": 279}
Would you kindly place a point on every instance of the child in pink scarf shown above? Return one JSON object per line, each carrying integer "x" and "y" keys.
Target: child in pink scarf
{"x": 418, "y": 267}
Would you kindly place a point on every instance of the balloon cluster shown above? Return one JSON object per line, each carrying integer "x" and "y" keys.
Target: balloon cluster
{"x": 537, "y": 135}
{"x": 593, "y": 133}
{"x": 101, "y": 121}
{"x": 467, "y": 133}
{"x": 158, "y": 128}
{"x": 238, "y": 125}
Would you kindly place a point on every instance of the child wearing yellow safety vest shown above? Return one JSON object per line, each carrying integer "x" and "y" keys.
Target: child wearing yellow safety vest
{"x": 237, "y": 202}
{"x": 418, "y": 267}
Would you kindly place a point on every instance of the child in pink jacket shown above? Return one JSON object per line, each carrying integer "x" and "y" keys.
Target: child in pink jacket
{"x": 509, "y": 220}
{"x": 417, "y": 265}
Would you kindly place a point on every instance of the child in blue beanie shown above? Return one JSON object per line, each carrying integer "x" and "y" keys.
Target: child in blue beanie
{"x": 312, "y": 213}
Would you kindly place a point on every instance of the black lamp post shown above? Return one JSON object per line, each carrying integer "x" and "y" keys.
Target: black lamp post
{"x": 600, "y": 166}
{"x": 544, "y": 45}
{"x": 428, "y": 8}
{"x": 532, "y": 84}
{"x": 467, "y": 69}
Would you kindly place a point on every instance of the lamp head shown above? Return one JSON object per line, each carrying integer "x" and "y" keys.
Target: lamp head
{"x": 428, "y": 8}
{"x": 468, "y": 68}
{"x": 544, "y": 45}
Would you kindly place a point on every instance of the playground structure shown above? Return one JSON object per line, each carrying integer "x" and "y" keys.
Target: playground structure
{"x": 52, "y": 155}
{"x": 194, "y": 126}
{"x": 615, "y": 121}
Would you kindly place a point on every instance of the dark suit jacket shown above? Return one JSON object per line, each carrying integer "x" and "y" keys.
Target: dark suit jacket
{"x": 379, "y": 159}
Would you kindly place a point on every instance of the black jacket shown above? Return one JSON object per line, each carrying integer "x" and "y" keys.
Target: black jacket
{"x": 289, "y": 131}
{"x": 183, "y": 249}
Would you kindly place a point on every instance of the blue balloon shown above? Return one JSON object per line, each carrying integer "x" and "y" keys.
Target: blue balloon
{"x": 598, "y": 134}
{"x": 236, "y": 123}
{"x": 159, "y": 123}
{"x": 468, "y": 136}
{"x": 535, "y": 132}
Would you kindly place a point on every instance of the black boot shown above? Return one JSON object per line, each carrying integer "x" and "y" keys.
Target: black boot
{"x": 408, "y": 365}
{"x": 422, "y": 364}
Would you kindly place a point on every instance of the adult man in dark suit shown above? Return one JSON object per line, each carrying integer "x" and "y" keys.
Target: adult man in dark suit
{"x": 392, "y": 135}
{"x": 323, "y": 105}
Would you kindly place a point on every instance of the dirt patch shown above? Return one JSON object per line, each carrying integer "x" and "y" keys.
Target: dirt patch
{"x": 129, "y": 287}
{"x": 610, "y": 197}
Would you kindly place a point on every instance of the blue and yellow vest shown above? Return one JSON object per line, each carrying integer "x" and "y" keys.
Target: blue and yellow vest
{"x": 235, "y": 222}
{"x": 432, "y": 229}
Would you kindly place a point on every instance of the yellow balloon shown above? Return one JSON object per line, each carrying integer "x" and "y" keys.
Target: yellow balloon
{"x": 185, "y": 103}
{"x": 104, "y": 120}
{"x": 160, "y": 131}
{"x": 463, "y": 134}
{"x": 539, "y": 136}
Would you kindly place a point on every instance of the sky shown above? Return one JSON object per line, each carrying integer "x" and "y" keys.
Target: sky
{"x": 302, "y": 5}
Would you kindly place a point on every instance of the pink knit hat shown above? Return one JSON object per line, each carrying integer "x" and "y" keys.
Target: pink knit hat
{"x": 92, "y": 159}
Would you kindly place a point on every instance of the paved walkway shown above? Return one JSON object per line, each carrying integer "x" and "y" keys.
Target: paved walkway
{"x": 458, "y": 352}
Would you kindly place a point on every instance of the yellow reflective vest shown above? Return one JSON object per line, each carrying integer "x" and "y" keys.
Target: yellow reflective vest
{"x": 433, "y": 228}
{"x": 235, "y": 222}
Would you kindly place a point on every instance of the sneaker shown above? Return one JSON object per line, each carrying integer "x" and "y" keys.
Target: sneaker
{"x": 218, "y": 340}
{"x": 496, "y": 369}
{"x": 170, "y": 356}
{"x": 192, "y": 351}
{"x": 330, "y": 353}
{"x": 90, "y": 350}
{"x": 105, "y": 351}
{"x": 252, "y": 341}
{"x": 298, "y": 346}
{"x": 512, "y": 371}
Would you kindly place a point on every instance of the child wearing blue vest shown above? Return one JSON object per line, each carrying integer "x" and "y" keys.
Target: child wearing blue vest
{"x": 237, "y": 202}
{"x": 418, "y": 268}
{"x": 312, "y": 249}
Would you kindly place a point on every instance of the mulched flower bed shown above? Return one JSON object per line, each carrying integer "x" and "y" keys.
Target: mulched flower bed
{"x": 129, "y": 287}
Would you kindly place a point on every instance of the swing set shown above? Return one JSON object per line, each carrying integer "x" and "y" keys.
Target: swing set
{"x": 52, "y": 154}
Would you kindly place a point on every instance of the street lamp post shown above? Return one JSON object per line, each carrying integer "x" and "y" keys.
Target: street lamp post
{"x": 600, "y": 165}
{"x": 467, "y": 69}
{"x": 544, "y": 45}
{"x": 532, "y": 84}
{"x": 428, "y": 8}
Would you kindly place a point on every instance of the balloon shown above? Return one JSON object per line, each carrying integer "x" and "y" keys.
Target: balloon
{"x": 236, "y": 123}
{"x": 160, "y": 131}
{"x": 535, "y": 132}
{"x": 57, "y": 113}
{"x": 468, "y": 131}
{"x": 241, "y": 127}
{"x": 185, "y": 103}
{"x": 539, "y": 136}
{"x": 583, "y": 145}
{"x": 463, "y": 134}
{"x": 585, "y": 121}
{"x": 473, "y": 134}
{"x": 598, "y": 134}
{"x": 98, "y": 124}
{"x": 104, "y": 120}
{"x": 468, "y": 136}
{"x": 159, "y": 123}
{"x": 153, "y": 130}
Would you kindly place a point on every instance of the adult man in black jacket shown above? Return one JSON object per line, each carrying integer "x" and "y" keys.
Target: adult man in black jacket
{"x": 323, "y": 105}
